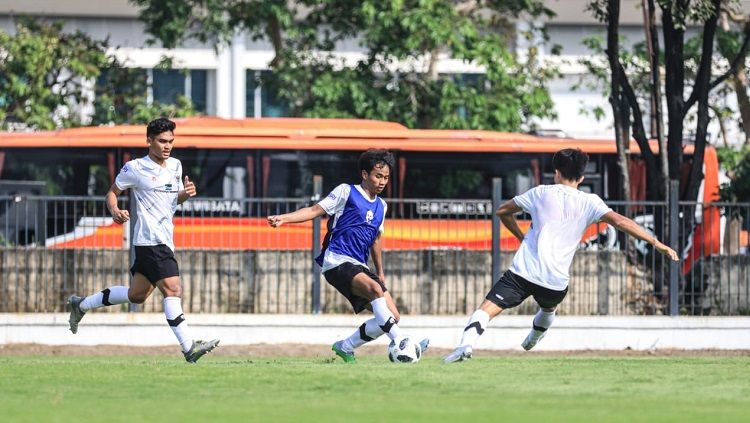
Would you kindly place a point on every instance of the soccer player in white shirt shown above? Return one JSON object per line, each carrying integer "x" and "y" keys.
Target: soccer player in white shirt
{"x": 156, "y": 181}
{"x": 560, "y": 214}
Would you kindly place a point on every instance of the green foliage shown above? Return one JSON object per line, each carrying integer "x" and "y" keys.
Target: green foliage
{"x": 121, "y": 97}
{"x": 596, "y": 78}
{"x": 737, "y": 164}
{"x": 635, "y": 62}
{"x": 396, "y": 79}
{"x": 45, "y": 75}
{"x": 42, "y": 70}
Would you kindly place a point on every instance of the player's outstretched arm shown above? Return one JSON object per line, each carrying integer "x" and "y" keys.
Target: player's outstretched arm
{"x": 301, "y": 215}
{"x": 506, "y": 212}
{"x": 631, "y": 228}
{"x": 119, "y": 216}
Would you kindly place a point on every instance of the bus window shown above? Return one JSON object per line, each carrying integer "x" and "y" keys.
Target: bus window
{"x": 81, "y": 172}
{"x": 291, "y": 173}
{"x": 458, "y": 175}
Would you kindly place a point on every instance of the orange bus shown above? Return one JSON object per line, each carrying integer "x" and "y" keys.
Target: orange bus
{"x": 234, "y": 160}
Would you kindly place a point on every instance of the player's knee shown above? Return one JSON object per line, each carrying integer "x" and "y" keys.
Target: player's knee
{"x": 172, "y": 289}
{"x": 374, "y": 290}
{"x": 137, "y": 297}
{"x": 396, "y": 316}
{"x": 173, "y": 292}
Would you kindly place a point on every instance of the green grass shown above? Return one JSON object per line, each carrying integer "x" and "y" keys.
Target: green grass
{"x": 502, "y": 389}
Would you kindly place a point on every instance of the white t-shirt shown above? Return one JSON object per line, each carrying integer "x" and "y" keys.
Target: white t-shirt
{"x": 335, "y": 206}
{"x": 155, "y": 189}
{"x": 559, "y": 216}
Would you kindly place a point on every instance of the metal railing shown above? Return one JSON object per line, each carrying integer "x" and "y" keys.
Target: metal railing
{"x": 438, "y": 255}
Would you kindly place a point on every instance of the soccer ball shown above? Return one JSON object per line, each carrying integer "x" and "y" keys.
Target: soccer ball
{"x": 404, "y": 350}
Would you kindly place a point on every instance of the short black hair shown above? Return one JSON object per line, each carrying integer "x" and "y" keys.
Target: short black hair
{"x": 373, "y": 157}
{"x": 571, "y": 163}
{"x": 157, "y": 126}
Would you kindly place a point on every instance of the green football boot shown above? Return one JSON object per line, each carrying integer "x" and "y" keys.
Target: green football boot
{"x": 348, "y": 357}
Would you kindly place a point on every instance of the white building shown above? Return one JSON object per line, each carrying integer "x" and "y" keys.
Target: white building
{"x": 223, "y": 83}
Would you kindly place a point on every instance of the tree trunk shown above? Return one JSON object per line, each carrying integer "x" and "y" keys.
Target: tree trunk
{"x": 639, "y": 132}
{"x": 657, "y": 120}
{"x": 674, "y": 43}
{"x": 702, "y": 85}
{"x": 622, "y": 136}
{"x": 739, "y": 83}
{"x": 273, "y": 30}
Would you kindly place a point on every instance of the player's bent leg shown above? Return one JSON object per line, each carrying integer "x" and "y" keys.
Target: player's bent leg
{"x": 192, "y": 349}
{"x": 367, "y": 331}
{"x": 542, "y": 321}
{"x": 78, "y": 306}
{"x": 140, "y": 289}
{"x": 364, "y": 286}
{"x": 473, "y": 330}
{"x": 392, "y": 306}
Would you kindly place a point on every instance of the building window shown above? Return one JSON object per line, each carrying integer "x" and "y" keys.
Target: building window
{"x": 171, "y": 83}
{"x": 167, "y": 85}
{"x": 198, "y": 89}
{"x": 260, "y": 98}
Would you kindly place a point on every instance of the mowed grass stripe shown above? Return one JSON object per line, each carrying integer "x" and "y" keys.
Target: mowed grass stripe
{"x": 223, "y": 389}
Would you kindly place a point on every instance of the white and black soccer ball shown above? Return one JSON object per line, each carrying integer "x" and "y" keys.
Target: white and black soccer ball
{"x": 404, "y": 350}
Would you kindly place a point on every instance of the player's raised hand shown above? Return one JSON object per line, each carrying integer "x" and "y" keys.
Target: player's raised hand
{"x": 189, "y": 187}
{"x": 664, "y": 249}
{"x": 275, "y": 221}
{"x": 120, "y": 216}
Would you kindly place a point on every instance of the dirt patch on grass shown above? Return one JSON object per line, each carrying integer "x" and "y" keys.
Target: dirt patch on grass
{"x": 305, "y": 350}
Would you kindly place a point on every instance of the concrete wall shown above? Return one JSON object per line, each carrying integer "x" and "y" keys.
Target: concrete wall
{"x": 505, "y": 332}
{"x": 435, "y": 282}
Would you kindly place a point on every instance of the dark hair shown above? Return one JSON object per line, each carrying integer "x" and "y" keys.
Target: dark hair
{"x": 570, "y": 162}
{"x": 157, "y": 126}
{"x": 372, "y": 157}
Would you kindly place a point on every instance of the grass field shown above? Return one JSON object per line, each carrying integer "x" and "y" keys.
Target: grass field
{"x": 509, "y": 389}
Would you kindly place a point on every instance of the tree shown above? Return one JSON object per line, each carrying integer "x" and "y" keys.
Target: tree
{"x": 737, "y": 164}
{"x": 46, "y": 78}
{"x": 731, "y": 44}
{"x": 397, "y": 77}
{"x": 121, "y": 98}
{"x": 682, "y": 67}
{"x": 42, "y": 74}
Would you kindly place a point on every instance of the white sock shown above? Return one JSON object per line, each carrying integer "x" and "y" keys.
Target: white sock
{"x": 110, "y": 296}
{"x": 384, "y": 318}
{"x": 542, "y": 321}
{"x": 475, "y": 328}
{"x": 176, "y": 320}
{"x": 368, "y": 331}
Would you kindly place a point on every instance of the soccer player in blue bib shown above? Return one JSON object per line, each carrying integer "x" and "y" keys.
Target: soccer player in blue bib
{"x": 356, "y": 221}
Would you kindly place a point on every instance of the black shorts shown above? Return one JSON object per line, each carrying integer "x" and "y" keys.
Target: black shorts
{"x": 340, "y": 277}
{"x": 510, "y": 290}
{"x": 155, "y": 262}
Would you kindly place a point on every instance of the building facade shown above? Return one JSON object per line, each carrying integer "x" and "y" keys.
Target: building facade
{"x": 224, "y": 82}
